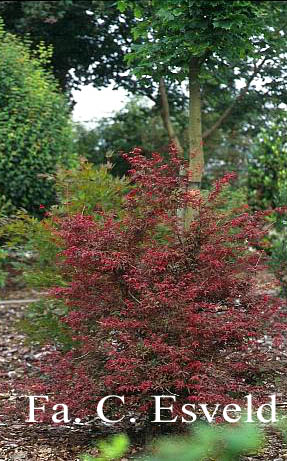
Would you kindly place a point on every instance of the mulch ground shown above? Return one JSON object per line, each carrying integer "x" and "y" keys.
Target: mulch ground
{"x": 19, "y": 440}
{"x": 37, "y": 442}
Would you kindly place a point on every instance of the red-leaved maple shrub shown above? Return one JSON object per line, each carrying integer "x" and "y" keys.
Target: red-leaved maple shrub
{"x": 156, "y": 310}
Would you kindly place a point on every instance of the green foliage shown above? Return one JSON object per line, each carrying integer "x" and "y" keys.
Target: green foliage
{"x": 267, "y": 184}
{"x": 78, "y": 38}
{"x": 219, "y": 443}
{"x": 112, "y": 449}
{"x": 35, "y": 128}
{"x": 199, "y": 34}
{"x": 267, "y": 168}
{"x": 209, "y": 442}
{"x": 23, "y": 233}
{"x": 96, "y": 32}
{"x": 195, "y": 29}
{"x": 87, "y": 190}
{"x": 42, "y": 326}
{"x": 3, "y": 272}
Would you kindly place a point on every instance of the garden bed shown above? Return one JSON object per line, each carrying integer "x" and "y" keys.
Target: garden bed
{"x": 21, "y": 441}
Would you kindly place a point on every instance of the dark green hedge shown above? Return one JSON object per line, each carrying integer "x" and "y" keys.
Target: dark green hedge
{"x": 35, "y": 127}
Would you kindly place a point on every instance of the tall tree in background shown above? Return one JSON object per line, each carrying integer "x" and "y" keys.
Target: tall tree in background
{"x": 178, "y": 39}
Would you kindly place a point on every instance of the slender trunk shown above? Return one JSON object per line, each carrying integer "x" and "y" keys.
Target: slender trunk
{"x": 166, "y": 117}
{"x": 196, "y": 159}
{"x": 171, "y": 135}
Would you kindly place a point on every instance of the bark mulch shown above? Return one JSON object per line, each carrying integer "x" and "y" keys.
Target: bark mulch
{"x": 19, "y": 440}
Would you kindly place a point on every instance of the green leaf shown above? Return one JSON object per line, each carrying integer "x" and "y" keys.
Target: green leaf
{"x": 138, "y": 12}
{"x": 122, "y": 5}
{"x": 115, "y": 448}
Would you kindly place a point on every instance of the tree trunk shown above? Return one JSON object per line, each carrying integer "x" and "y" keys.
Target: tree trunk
{"x": 166, "y": 117}
{"x": 171, "y": 135}
{"x": 196, "y": 159}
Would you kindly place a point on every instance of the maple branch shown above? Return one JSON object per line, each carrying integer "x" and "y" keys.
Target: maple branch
{"x": 229, "y": 109}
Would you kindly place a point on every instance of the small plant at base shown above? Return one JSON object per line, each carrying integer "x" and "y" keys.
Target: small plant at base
{"x": 110, "y": 450}
{"x": 212, "y": 443}
{"x": 205, "y": 442}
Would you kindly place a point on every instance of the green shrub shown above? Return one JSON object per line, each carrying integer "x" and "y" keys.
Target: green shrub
{"x": 35, "y": 127}
{"x": 267, "y": 166}
{"x": 85, "y": 189}
{"x": 267, "y": 184}
{"x": 110, "y": 450}
{"x": 3, "y": 272}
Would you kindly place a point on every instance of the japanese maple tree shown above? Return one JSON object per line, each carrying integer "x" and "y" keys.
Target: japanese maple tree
{"x": 155, "y": 309}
